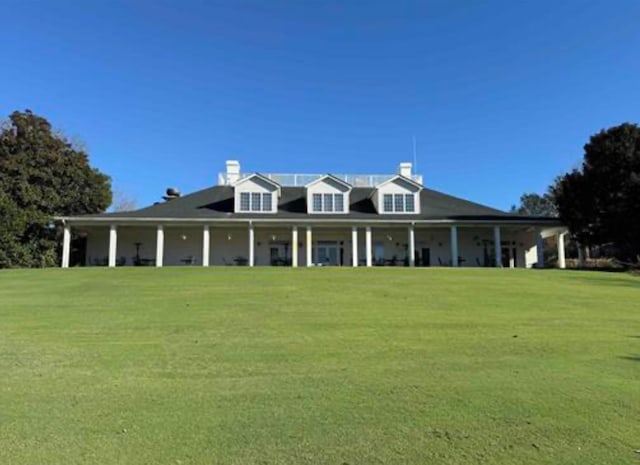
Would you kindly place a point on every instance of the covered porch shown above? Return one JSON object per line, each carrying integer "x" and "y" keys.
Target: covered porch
{"x": 251, "y": 243}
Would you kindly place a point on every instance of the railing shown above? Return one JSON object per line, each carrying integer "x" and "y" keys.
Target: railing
{"x": 356, "y": 180}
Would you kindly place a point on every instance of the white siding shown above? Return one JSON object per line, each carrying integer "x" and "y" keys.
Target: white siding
{"x": 256, "y": 185}
{"x": 396, "y": 186}
{"x": 327, "y": 186}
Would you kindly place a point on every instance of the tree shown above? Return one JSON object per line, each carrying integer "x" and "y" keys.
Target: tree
{"x": 122, "y": 202}
{"x": 600, "y": 201}
{"x": 532, "y": 204}
{"x": 41, "y": 175}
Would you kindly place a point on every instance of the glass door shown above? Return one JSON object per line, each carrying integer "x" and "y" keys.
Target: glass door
{"x": 326, "y": 253}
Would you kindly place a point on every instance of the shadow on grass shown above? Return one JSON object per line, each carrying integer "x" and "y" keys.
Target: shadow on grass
{"x": 612, "y": 280}
{"x": 633, "y": 358}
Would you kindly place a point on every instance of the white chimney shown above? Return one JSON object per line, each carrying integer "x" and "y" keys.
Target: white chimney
{"x": 233, "y": 171}
{"x": 404, "y": 169}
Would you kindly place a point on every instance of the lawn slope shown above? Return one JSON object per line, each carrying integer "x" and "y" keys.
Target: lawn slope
{"x": 318, "y": 366}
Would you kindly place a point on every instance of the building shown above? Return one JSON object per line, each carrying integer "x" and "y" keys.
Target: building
{"x": 314, "y": 220}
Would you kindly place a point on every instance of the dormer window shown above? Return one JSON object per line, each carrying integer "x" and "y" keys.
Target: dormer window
{"x": 328, "y": 194}
{"x": 398, "y": 195}
{"x": 328, "y": 203}
{"x": 398, "y": 203}
{"x": 255, "y": 194}
{"x": 255, "y": 202}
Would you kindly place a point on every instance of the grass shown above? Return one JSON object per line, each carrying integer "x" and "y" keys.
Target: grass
{"x": 318, "y": 366}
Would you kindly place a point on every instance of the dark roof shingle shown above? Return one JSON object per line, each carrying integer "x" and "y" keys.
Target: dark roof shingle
{"x": 217, "y": 202}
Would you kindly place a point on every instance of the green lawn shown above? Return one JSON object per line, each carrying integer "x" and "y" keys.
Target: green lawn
{"x": 318, "y": 366}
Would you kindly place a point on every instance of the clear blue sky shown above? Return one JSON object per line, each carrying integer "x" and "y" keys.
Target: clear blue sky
{"x": 501, "y": 96}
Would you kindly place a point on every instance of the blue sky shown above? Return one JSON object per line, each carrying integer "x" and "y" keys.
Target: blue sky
{"x": 501, "y": 96}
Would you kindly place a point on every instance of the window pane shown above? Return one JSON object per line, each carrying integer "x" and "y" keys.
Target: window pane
{"x": 339, "y": 202}
{"x": 388, "y": 203}
{"x": 255, "y": 201}
{"x": 244, "y": 201}
{"x": 328, "y": 202}
{"x": 399, "y": 204}
{"x": 266, "y": 202}
{"x": 409, "y": 203}
{"x": 317, "y": 202}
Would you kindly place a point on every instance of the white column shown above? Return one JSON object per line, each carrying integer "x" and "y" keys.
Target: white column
{"x": 497, "y": 246}
{"x": 412, "y": 247}
{"x": 454, "y": 246}
{"x": 539, "y": 249}
{"x": 66, "y": 245}
{"x": 206, "y": 244}
{"x": 294, "y": 246}
{"x": 159, "y": 245}
{"x": 113, "y": 244}
{"x": 309, "y": 246}
{"x": 562, "y": 262}
{"x": 512, "y": 259}
{"x": 252, "y": 246}
{"x": 354, "y": 246}
{"x": 368, "y": 246}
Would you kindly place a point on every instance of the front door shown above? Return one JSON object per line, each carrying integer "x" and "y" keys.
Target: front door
{"x": 326, "y": 253}
{"x": 425, "y": 258}
{"x": 509, "y": 257}
{"x": 279, "y": 253}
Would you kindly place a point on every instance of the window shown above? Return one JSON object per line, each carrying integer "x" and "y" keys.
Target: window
{"x": 398, "y": 203}
{"x": 387, "y": 203}
{"x": 338, "y": 201}
{"x": 266, "y": 202}
{"x": 317, "y": 202}
{"x": 255, "y": 201}
{"x": 327, "y": 203}
{"x": 409, "y": 203}
{"x": 244, "y": 201}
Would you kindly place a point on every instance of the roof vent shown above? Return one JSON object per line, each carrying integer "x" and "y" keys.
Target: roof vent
{"x": 172, "y": 193}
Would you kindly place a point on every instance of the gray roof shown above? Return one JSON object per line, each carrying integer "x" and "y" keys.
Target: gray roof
{"x": 218, "y": 203}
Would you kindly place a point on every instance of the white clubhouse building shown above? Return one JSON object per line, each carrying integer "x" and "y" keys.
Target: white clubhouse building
{"x": 313, "y": 220}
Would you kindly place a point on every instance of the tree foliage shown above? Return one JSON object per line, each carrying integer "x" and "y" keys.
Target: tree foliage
{"x": 600, "y": 202}
{"x": 41, "y": 175}
{"x": 532, "y": 204}
{"x": 122, "y": 202}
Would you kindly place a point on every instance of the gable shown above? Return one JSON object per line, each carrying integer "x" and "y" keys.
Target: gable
{"x": 399, "y": 185}
{"x": 328, "y": 185}
{"x": 329, "y": 182}
{"x": 256, "y": 183}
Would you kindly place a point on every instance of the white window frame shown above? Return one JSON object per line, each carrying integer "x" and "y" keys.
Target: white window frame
{"x": 245, "y": 206}
{"x": 398, "y": 203}
{"x": 267, "y": 195}
{"x": 406, "y": 203}
{"x": 327, "y": 202}
{"x": 255, "y": 202}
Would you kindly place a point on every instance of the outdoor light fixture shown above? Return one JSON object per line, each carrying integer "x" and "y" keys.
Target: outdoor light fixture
{"x": 229, "y": 236}
{"x": 183, "y": 237}
{"x": 273, "y": 237}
